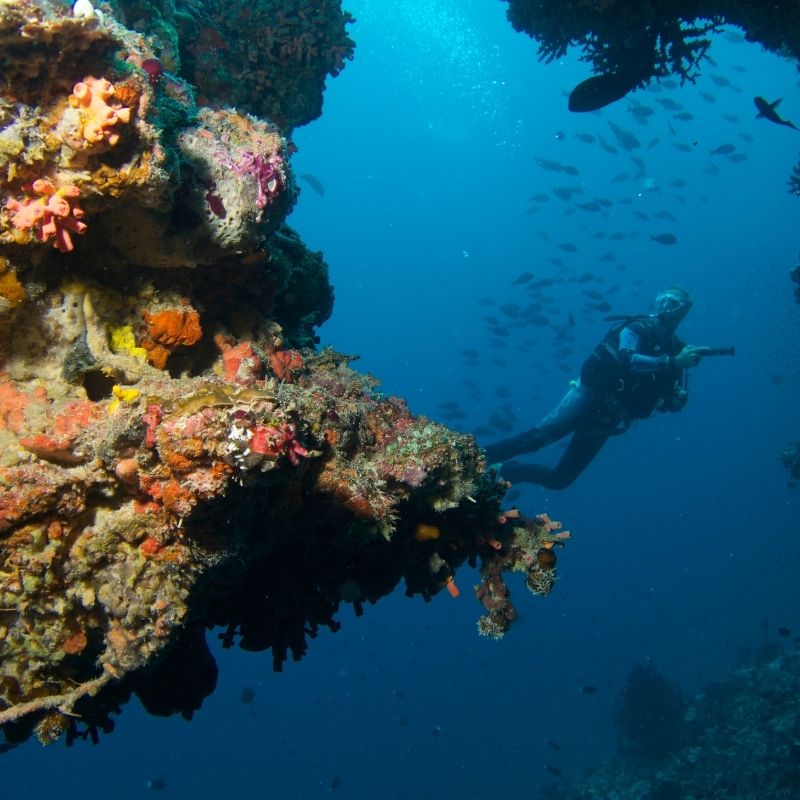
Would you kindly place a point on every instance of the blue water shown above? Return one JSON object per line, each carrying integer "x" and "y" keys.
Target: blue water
{"x": 685, "y": 545}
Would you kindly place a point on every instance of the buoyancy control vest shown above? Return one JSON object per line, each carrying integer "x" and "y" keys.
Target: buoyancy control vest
{"x": 607, "y": 369}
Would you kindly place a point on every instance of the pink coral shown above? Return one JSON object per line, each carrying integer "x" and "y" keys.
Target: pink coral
{"x": 265, "y": 171}
{"x": 98, "y": 118}
{"x": 152, "y": 419}
{"x": 56, "y": 212}
{"x": 273, "y": 441}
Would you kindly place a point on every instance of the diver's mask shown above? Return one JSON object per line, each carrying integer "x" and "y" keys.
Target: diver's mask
{"x": 672, "y": 306}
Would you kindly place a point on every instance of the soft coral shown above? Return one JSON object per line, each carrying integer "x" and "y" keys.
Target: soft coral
{"x": 55, "y": 211}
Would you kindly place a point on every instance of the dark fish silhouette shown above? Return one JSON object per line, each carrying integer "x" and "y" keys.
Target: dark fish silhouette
{"x": 313, "y": 182}
{"x": 768, "y": 111}
{"x": 248, "y": 695}
{"x": 566, "y": 192}
{"x": 156, "y": 784}
{"x": 669, "y": 104}
{"x": 524, "y": 278}
{"x": 550, "y": 742}
{"x": 601, "y": 90}
{"x": 589, "y": 689}
{"x": 553, "y": 770}
{"x": 627, "y": 140}
{"x": 555, "y": 166}
{"x": 641, "y": 112}
{"x": 665, "y": 238}
{"x": 512, "y": 309}
{"x": 723, "y": 150}
{"x": 784, "y": 632}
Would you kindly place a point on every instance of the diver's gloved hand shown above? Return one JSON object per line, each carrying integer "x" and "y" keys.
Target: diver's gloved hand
{"x": 688, "y": 357}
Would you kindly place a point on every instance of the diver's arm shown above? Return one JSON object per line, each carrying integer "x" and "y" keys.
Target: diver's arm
{"x": 635, "y": 361}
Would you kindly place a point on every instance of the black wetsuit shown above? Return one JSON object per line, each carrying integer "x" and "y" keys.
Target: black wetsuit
{"x": 630, "y": 374}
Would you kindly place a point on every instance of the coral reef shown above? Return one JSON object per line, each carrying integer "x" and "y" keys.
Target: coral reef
{"x": 267, "y": 57}
{"x": 651, "y": 40}
{"x": 528, "y": 547}
{"x": 738, "y": 739}
{"x": 176, "y": 454}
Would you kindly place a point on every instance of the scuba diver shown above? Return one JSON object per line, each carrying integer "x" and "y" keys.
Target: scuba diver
{"x": 639, "y": 367}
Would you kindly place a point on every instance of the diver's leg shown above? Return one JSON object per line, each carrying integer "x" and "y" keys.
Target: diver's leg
{"x": 580, "y": 452}
{"x": 571, "y": 412}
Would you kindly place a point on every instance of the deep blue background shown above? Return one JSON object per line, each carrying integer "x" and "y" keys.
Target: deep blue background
{"x": 685, "y": 544}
